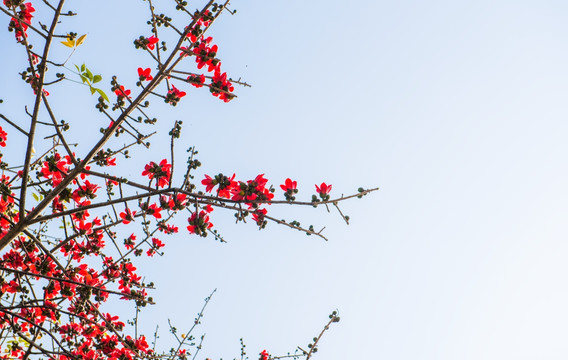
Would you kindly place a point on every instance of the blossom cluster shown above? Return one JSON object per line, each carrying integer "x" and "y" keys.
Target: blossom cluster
{"x": 254, "y": 193}
{"x": 20, "y": 23}
{"x": 205, "y": 57}
{"x": 264, "y": 355}
{"x": 72, "y": 294}
{"x": 159, "y": 172}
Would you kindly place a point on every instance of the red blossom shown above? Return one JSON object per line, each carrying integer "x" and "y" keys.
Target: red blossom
{"x": 196, "y": 80}
{"x": 174, "y": 95}
{"x": 258, "y": 217}
{"x": 152, "y": 210}
{"x": 289, "y": 185}
{"x": 3, "y": 137}
{"x": 157, "y": 243}
{"x": 253, "y": 190}
{"x": 205, "y": 55}
{"x": 121, "y": 92}
{"x": 22, "y": 22}
{"x": 144, "y": 74}
{"x": 152, "y": 41}
{"x": 323, "y": 189}
{"x": 199, "y": 223}
{"x": 209, "y": 183}
{"x": 127, "y": 216}
{"x": 161, "y": 172}
{"x": 129, "y": 242}
{"x": 226, "y": 185}
{"x": 221, "y": 87}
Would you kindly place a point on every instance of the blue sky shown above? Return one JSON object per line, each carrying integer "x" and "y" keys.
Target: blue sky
{"x": 455, "y": 109}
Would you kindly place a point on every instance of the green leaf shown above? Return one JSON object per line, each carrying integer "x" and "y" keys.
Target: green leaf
{"x": 78, "y": 69}
{"x": 92, "y": 90}
{"x": 83, "y": 67}
{"x": 89, "y": 74}
{"x": 35, "y": 196}
{"x": 97, "y": 78}
{"x": 102, "y": 93}
{"x": 83, "y": 78}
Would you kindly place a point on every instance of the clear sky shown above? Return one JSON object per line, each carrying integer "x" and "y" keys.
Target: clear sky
{"x": 455, "y": 109}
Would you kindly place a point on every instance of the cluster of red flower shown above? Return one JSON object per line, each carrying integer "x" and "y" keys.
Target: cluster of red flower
{"x": 3, "y": 137}
{"x": 24, "y": 17}
{"x": 264, "y": 355}
{"x": 199, "y": 222}
{"x": 161, "y": 172}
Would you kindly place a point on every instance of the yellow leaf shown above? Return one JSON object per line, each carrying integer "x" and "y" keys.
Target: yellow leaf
{"x": 69, "y": 43}
{"x": 81, "y": 39}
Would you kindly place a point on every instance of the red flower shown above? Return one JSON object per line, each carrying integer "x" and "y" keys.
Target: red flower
{"x": 174, "y": 95}
{"x": 144, "y": 74}
{"x": 154, "y": 210}
{"x": 17, "y": 24}
{"x": 122, "y": 92}
{"x": 209, "y": 183}
{"x": 157, "y": 243}
{"x": 167, "y": 228}
{"x": 3, "y": 137}
{"x": 264, "y": 355}
{"x": 196, "y": 80}
{"x": 289, "y": 185}
{"x": 226, "y": 185}
{"x": 127, "y": 216}
{"x": 129, "y": 242}
{"x": 323, "y": 191}
{"x": 253, "y": 190}
{"x": 258, "y": 216}
{"x": 221, "y": 87}
{"x": 110, "y": 162}
{"x": 152, "y": 41}
{"x": 205, "y": 55}
{"x": 199, "y": 223}
{"x": 160, "y": 172}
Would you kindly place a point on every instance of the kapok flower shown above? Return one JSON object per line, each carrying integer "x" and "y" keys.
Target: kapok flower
{"x": 152, "y": 41}
{"x": 24, "y": 19}
{"x": 174, "y": 95}
{"x": 144, "y": 74}
{"x": 157, "y": 243}
{"x": 3, "y": 137}
{"x": 226, "y": 184}
{"x": 161, "y": 172}
{"x": 205, "y": 55}
{"x": 258, "y": 217}
{"x": 122, "y": 92}
{"x": 289, "y": 187}
{"x": 323, "y": 191}
{"x": 264, "y": 355}
{"x": 129, "y": 242}
{"x": 199, "y": 223}
{"x": 153, "y": 210}
{"x": 209, "y": 183}
{"x": 196, "y": 80}
{"x": 127, "y": 216}
{"x": 221, "y": 87}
